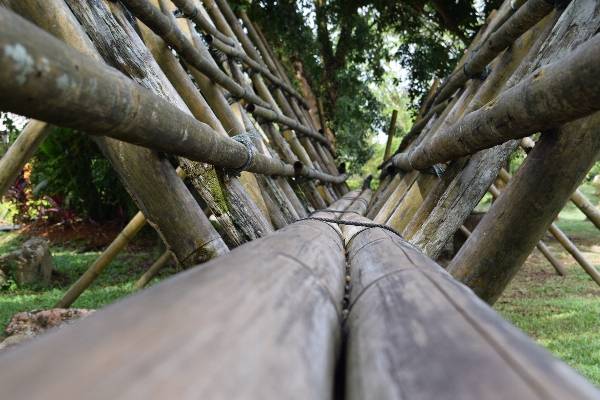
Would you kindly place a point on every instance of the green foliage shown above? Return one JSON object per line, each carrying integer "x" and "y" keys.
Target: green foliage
{"x": 115, "y": 282}
{"x": 71, "y": 170}
{"x": 344, "y": 47}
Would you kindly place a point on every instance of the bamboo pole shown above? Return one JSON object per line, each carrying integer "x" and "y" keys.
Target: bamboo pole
{"x": 107, "y": 256}
{"x": 428, "y": 96}
{"x": 542, "y": 100}
{"x": 21, "y": 151}
{"x": 230, "y": 329}
{"x": 535, "y": 195}
{"x": 560, "y": 269}
{"x": 136, "y": 60}
{"x": 142, "y": 172}
{"x": 153, "y": 271}
{"x": 463, "y": 183}
{"x": 163, "y": 27}
{"x": 391, "y": 132}
{"x": 416, "y": 333}
{"x": 468, "y": 101}
{"x": 227, "y": 45}
{"x": 577, "y": 198}
{"x": 161, "y": 126}
{"x": 272, "y": 116}
{"x": 525, "y": 18}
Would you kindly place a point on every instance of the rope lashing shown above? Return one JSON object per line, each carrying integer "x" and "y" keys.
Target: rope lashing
{"x": 180, "y": 14}
{"x": 436, "y": 169}
{"x": 244, "y": 138}
{"x": 408, "y": 158}
{"x": 482, "y": 75}
{"x": 231, "y": 99}
{"x": 353, "y": 223}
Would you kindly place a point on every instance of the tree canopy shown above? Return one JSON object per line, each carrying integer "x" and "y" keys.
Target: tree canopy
{"x": 341, "y": 47}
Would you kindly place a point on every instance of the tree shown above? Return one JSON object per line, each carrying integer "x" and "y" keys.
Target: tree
{"x": 342, "y": 46}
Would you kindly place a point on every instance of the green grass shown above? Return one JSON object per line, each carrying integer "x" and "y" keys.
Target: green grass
{"x": 115, "y": 281}
{"x": 561, "y": 313}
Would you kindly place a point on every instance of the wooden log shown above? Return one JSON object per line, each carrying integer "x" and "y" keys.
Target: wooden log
{"x": 524, "y": 19}
{"x": 535, "y": 195}
{"x": 411, "y": 202}
{"x": 21, "y": 151}
{"x": 391, "y": 132}
{"x": 428, "y": 96}
{"x": 163, "y": 27}
{"x": 463, "y": 104}
{"x": 229, "y": 201}
{"x": 283, "y": 308}
{"x": 93, "y": 105}
{"x": 272, "y": 116}
{"x": 558, "y": 266}
{"x": 433, "y": 224}
{"x": 107, "y": 256}
{"x": 396, "y": 197}
{"x": 377, "y": 203}
{"x": 152, "y": 271}
{"x": 586, "y": 207}
{"x": 574, "y": 251}
{"x": 143, "y": 172}
{"x": 415, "y": 333}
{"x": 560, "y": 269}
{"x": 518, "y": 112}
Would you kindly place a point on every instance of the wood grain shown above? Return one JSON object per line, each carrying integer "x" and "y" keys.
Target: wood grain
{"x": 259, "y": 323}
{"x": 415, "y": 333}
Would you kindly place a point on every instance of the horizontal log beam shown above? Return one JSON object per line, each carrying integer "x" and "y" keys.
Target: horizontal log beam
{"x": 262, "y": 322}
{"x": 160, "y": 24}
{"x": 416, "y": 333}
{"x": 50, "y": 81}
{"x": 272, "y": 116}
{"x": 520, "y": 22}
{"x": 553, "y": 95}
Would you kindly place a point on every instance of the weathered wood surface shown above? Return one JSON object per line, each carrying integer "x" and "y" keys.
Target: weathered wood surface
{"x": 118, "y": 43}
{"x": 262, "y": 322}
{"x": 411, "y": 202}
{"x": 395, "y": 197}
{"x": 535, "y": 195}
{"x": 415, "y": 333}
{"x": 21, "y": 151}
{"x": 465, "y": 181}
{"x": 561, "y": 237}
{"x": 542, "y": 100}
{"x": 524, "y": 19}
{"x": 142, "y": 171}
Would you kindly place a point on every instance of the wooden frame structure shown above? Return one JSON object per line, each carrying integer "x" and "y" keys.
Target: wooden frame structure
{"x": 331, "y": 293}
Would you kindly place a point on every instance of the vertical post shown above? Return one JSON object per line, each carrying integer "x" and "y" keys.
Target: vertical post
{"x": 391, "y": 132}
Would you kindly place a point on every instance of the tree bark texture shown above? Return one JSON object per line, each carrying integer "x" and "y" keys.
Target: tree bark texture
{"x": 416, "y": 333}
{"x": 535, "y": 195}
{"x": 283, "y": 310}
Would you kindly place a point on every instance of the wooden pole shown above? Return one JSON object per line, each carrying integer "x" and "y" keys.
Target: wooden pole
{"x": 153, "y": 271}
{"x": 159, "y": 124}
{"x": 21, "y": 151}
{"x": 525, "y": 18}
{"x": 416, "y": 333}
{"x": 391, "y": 132}
{"x": 143, "y": 172}
{"x": 577, "y": 198}
{"x": 230, "y": 329}
{"x": 429, "y": 95}
{"x": 518, "y": 112}
{"x": 560, "y": 269}
{"x": 535, "y": 195}
{"x": 463, "y": 184}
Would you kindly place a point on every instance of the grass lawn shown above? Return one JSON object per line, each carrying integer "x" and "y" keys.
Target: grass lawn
{"x": 72, "y": 260}
{"x": 561, "y": 313}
